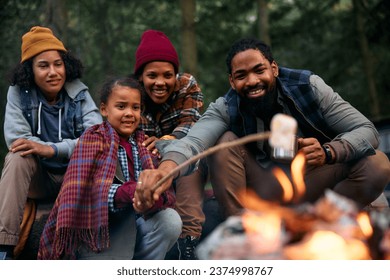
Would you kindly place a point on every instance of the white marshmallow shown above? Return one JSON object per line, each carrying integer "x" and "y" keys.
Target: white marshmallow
{"x": 283, "y": 131}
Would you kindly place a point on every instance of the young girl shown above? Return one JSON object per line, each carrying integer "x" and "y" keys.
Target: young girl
{"x": 99, "y": 185}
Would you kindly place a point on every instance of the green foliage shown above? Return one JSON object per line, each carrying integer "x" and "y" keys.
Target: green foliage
{"x": 218, "y": 26}
{"x": 322, "y": 36}
{"x": 316, "y": 35}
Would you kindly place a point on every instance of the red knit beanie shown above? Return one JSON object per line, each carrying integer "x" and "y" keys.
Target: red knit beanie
{"x": 155, "y": 46}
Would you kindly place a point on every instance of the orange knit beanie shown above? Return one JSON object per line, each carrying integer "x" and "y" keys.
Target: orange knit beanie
{"x": 37, "y": 40}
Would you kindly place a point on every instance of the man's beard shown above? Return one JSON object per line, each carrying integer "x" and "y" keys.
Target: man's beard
{"x": 263, "y": 107}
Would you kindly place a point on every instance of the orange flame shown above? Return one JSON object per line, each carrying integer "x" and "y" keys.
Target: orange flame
{"x": 297, "y": 173}
{"x": 364, "y": 222}
{"x": 266, "y": 224}
{"x": 264, "y": 231}
{"x": 327, "y": 245}
{"x": 287, "y": 187}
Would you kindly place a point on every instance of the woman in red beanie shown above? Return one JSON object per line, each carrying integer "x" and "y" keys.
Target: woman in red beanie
{"x": 172, "y": 105}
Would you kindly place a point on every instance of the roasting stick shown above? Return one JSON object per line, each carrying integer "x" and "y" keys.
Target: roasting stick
{"x": 241, "y": 141}
{"x": 282, "y": 128}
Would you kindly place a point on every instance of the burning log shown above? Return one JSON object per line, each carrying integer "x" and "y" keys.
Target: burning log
{"x": 230, "y": 241}
{"x": 296, "y": 222}
{"x": 332, "y": 228}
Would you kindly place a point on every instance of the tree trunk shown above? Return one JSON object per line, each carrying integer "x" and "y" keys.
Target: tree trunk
{"x": 56, "y": 18}
{"x": 262, "y": 21}
{"x": 368, "y": 60}
{"x": 189, "y": 49}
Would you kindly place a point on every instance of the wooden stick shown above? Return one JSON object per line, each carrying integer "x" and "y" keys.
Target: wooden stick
{"x": 241, "y": 141}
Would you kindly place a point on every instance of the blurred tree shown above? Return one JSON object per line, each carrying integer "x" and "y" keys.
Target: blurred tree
{"x": 368, "y": 61}
{"x": 263, "y": 22}
{"x": 56, "y": 17}
{"x": 219, "y": 24}
{"x": 189, "y": 48}
{"x": 322, "y": 36}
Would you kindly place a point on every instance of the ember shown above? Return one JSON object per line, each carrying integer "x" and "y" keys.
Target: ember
{"x": 327, "y": 245}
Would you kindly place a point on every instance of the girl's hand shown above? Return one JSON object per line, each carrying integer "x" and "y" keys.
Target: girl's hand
{"x": 145, "y": 195}
{"x": 139, "y": 207}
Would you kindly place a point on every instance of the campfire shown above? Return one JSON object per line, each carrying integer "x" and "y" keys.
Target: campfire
{"x": 332, "y": 228}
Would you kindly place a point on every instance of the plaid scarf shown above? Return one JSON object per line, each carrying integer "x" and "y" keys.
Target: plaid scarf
{"x": 80, "y": 213}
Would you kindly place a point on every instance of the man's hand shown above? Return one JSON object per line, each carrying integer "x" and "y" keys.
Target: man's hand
{"x": 29, "y": 147}
{"x": 312, "y": 150}
{"x": 145, "y": 196}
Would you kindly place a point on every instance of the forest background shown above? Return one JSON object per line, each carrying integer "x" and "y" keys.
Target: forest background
{"x": 346, "y": 42}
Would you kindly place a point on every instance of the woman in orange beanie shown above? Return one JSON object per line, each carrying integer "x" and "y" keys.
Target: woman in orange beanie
{"x": 47, "y": 109}
{"x": 173, "y": 103}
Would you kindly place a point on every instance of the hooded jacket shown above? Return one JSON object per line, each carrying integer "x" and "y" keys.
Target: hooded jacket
{"x": 22, "y": 116}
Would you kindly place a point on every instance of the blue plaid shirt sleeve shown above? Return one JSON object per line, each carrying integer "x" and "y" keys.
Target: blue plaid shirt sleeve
{"x": 122, "y": 158}
{"x": 114, "y": 187}
{"x": 111, "y": 195}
